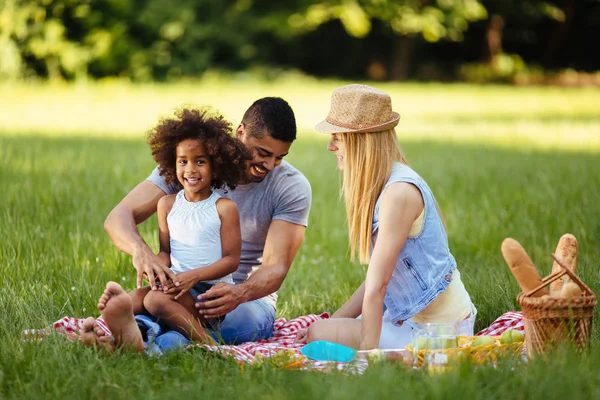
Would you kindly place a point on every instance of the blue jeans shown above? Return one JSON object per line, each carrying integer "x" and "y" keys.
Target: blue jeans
{"x": 248, "y": 322}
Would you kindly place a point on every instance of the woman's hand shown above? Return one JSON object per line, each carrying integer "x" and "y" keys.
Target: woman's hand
{"x": 302, "y": 336}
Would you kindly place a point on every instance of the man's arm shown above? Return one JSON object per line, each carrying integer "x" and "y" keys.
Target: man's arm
{"x": 281, "y": 246}
{"x": 121, "y": 226}
{"x": 165, "y": 204}
{"x": 283, "y": 242}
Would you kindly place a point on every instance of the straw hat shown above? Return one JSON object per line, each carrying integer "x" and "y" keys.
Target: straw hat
{"x": 359, "y": 108}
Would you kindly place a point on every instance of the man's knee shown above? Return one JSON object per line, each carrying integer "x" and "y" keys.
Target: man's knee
{"x": 248, "y": 322}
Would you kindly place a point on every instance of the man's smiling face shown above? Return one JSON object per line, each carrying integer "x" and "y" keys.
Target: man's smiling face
{"x": 267, "y": 153}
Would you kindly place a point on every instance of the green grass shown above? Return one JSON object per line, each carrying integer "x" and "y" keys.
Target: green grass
{"x": 507, "y": 116}
{"x": 493, "y": 156}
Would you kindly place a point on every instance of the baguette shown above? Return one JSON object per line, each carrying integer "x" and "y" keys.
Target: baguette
{"x": 570, "y": 290}
{"x": 566, "y": 250}
{"x": 522, "y": 267}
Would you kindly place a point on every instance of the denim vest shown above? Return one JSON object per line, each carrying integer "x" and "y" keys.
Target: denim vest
{"x": 424, "y": 267}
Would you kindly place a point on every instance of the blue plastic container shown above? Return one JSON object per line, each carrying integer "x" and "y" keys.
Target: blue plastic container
{"x": 322, "y": 350}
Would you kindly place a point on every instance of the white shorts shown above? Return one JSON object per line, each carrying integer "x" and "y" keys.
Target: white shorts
{"x": 397, "y": 337}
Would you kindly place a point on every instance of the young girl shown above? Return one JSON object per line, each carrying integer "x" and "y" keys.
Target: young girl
{"x": 395, "y": 227}
{"x": 199, "y": 231}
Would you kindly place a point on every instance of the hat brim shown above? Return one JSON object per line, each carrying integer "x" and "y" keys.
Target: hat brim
{"x": 329, "y": 128}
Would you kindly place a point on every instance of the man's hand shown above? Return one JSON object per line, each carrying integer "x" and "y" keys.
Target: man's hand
{"x": 220, "y": 300}
{"x": 148, "y": 264}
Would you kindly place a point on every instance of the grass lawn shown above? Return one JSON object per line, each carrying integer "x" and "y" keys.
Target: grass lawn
{"x": 502, "y": 161}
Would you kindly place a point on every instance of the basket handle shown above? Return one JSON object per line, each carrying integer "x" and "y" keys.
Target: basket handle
{"x": 557, "y": 275}
{"x": 572, "y": 275}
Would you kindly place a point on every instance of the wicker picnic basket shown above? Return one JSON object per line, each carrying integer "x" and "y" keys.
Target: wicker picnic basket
{"x": 549, "y": 321}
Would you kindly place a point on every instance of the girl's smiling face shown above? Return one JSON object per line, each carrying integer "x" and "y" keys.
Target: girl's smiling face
{"x": 194, "y": 171}
{"x": 337, "y": 145}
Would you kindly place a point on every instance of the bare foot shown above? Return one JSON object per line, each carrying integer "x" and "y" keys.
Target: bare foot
{"x": 117, "y": 309}
{"x": 91, "y": 335}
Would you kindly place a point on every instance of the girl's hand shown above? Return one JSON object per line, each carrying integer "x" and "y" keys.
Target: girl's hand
{"x": 186, "y": 280}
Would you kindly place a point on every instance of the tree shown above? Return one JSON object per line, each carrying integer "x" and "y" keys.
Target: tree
{"x": 34, "y": 39}
{"x": 434, "y": 21}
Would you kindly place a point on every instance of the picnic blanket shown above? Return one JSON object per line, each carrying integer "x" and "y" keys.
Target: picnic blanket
{"x": 509, "y": 320}
{"x": 283, "y": 337}
{"x": 284, "y": 334}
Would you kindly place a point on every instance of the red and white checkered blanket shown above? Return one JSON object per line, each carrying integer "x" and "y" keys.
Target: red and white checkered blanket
{"x": 284, "y": 334}
{"x": 509, "y": 320}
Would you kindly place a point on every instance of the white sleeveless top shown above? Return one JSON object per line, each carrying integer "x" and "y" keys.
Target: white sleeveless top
{"x": 195, "y": 234}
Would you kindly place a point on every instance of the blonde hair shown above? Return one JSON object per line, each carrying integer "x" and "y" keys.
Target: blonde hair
{"x": 368, "y": 164}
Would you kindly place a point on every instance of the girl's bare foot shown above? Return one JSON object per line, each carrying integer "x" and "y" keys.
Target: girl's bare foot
{"x": 117, "y": 309}
{"x": 91, "y": 335}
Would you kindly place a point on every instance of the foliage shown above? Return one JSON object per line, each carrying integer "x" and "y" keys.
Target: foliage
{"x": 51, "y": 35}
{"x": 157, "y": 40}
{"x": 444, "y": 19}
{"x": 148, "y": 39}
{"x": 503, "y": 69}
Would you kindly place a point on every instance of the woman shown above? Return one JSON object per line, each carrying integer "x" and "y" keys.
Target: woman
{"x": 394, "y": 226}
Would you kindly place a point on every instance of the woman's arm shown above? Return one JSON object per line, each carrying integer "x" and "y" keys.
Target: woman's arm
{"x": 400, "y": 206}
{"x": 353, "y": 306}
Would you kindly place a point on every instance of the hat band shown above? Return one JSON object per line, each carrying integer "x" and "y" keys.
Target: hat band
{"x": 354, "y": 126}
{"x": 343, "y": 125}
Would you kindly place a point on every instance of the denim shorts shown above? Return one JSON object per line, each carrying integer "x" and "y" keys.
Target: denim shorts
{"x": 198, "y": 289}
{"x": 248, "y": 322}
{"x": 397, "y": 337}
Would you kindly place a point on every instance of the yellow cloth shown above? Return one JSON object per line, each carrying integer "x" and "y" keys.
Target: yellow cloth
{"x": 416, "y": 227}
{"x": 453, "y": 304}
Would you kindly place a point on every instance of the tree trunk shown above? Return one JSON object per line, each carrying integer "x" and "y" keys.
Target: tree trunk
{"x": 403, "y": 46}
{"x": 493, "y": 38}
{"x": 53, "y": 68}
{"x": 557, "y": 37}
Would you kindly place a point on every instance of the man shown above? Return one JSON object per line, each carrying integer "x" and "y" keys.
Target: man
{"x": 273, "y": 205}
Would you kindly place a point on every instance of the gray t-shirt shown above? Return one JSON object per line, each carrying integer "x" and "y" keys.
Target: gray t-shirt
{"x": 284, "y": 194}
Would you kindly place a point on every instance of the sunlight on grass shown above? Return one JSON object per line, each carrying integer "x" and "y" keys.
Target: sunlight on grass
{"x": 564, "y": 118}
{"x": 55, "y": 257}
{"x": 502, "y": 161}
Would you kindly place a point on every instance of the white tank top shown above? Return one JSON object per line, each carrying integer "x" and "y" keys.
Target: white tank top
{"x": 195, "y": 234}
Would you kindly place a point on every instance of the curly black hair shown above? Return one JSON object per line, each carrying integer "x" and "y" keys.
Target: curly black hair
{"x": 227, "y": 154}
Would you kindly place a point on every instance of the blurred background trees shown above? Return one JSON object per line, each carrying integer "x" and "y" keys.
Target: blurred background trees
{"x": 477, "y": 40}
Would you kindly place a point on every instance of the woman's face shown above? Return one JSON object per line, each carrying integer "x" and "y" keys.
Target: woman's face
{"x": 336, "y": 144}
